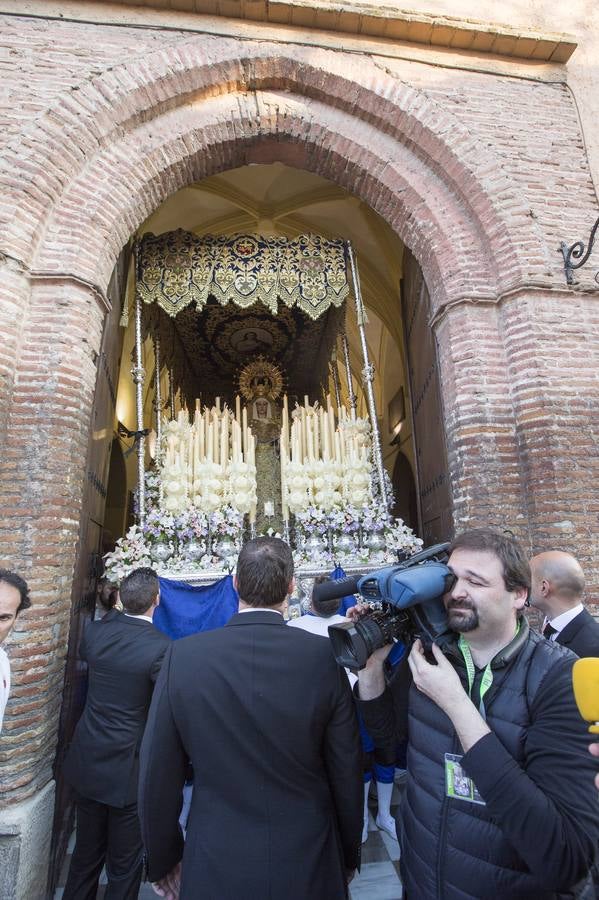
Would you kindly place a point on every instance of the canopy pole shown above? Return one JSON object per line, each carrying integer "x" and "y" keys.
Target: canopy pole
{"x": 353, "y": 400}
{"x": 158, "y": 399}
{"x": 138, "y": 375}
{"x": 335, "y": 374}
{"x": 171, "y": 390}
{"x": 368, "y": 378}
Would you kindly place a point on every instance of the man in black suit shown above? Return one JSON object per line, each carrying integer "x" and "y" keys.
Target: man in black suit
{"x": 124, "y": 653}
{"x": 266, "y": 718}
{"x": 557, "y": 587}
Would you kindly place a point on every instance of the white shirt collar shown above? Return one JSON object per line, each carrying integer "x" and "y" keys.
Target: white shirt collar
{"x": 560, "y": 622}
{"x": 260, "y": 609}
{"x": 147, "y": 618}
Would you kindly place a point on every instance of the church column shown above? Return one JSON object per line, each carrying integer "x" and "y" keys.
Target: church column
{"x": 479, "y": 420}
{"x": 42, "y": 475}
{"x": 552, "y": 347}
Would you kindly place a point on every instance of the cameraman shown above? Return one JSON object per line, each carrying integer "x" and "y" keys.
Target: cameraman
{"x": 497, "y": 802}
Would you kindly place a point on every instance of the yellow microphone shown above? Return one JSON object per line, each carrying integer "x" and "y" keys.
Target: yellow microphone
{"x": 585, "y": 679}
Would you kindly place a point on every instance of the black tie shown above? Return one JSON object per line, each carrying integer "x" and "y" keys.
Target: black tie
{"x": 548, "y": 630}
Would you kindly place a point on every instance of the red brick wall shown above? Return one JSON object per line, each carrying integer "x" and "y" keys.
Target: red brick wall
{"x": 479, "y": 175}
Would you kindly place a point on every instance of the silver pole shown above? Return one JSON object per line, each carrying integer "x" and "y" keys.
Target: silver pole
{"x": 368, "y": 378}
{"x": 353, "y": 400}
{"x": 138, "y": 375}
{"x": 335, "y": 374}
{"x": 158, "y": 400}
{"x": 171, "y": 388}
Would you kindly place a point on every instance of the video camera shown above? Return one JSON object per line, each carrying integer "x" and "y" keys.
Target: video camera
{"x": 406, "y": 600}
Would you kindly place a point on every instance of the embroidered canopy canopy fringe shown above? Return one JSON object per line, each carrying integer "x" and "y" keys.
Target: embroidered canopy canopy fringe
{"x": 177, "y": 268}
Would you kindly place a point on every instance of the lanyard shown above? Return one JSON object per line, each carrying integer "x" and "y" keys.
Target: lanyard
{"x": 486, "y": 680}
{"x": 487, "y": 677}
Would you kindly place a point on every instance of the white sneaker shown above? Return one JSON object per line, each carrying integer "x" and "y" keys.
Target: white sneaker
{"x": 387, "y": 824}
{"x": 365, "y": 831}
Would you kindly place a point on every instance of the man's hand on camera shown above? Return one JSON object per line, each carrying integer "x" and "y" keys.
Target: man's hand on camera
{"x": 442, "y": 685}
{"x": 439, "y": 682}
{"x": 594, "y": 751}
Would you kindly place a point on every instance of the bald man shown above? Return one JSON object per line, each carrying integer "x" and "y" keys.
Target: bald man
{"x": 556, "y": 590}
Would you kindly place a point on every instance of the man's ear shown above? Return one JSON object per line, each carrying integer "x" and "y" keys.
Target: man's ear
{"x": 291, "y": 587}
{"x": 235, "y": 583}
{"x": 521, "y": 596}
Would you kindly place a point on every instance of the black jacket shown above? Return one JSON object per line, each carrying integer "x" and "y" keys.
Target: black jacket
{"x": 124, "y": 655}
{"x": 266, "y": 717}
{"x": 537, "y": 833}
{"x": 581, "y": 635}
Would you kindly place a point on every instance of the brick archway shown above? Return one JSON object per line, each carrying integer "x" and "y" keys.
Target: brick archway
{"x": 72, "y": 145}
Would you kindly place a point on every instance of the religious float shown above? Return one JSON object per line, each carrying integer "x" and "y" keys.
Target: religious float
{"x": 260, "y": 457}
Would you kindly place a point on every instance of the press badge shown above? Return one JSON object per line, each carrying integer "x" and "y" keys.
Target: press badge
{"x": 457, "y": 784}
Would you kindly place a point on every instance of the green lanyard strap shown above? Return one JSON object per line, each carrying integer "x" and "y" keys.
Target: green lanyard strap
{"x": 487, "y": 677}
{"x": 486, "y": 680}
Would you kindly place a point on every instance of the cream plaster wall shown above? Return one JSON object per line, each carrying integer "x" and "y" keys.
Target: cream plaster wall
{"x": 579, "y": 18}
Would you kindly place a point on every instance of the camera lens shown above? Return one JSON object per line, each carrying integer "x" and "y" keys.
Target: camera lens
{"x": 353, "y": 643}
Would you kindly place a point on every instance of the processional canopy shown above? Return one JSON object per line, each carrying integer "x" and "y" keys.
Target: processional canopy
{"x": 177, "y": 269}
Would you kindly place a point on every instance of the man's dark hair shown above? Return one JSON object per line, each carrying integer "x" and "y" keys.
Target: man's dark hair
{"x": 138, "y": 590}
{"x": 108, "y": 594}
{"x": 264, "y": 571}
{"x": 324, "y": 608}
{"x": 20, "y": 584}
{"x": 516, "y": 570}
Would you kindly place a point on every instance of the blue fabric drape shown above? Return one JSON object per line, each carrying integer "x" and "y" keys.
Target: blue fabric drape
{"x": 185, "y": 609}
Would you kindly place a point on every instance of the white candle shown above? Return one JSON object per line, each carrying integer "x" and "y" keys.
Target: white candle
{"x": 224, "y": 441}
{"x": 238, "y": 408}
{"x": 210, "y": 443}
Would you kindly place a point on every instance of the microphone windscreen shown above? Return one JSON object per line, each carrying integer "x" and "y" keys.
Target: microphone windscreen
{"x": 335, "y": 590}
{"x": 585, "y": 678}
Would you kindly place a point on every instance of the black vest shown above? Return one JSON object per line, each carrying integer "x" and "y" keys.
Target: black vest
{"x": 452, "y": 850}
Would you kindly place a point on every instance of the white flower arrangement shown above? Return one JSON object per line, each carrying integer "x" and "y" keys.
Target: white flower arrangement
{"x": 130, "y": 553}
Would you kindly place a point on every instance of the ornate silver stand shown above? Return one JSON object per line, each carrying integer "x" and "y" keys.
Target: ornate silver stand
{"x": 138, "y": 374}
{"x": 368, "y": 378}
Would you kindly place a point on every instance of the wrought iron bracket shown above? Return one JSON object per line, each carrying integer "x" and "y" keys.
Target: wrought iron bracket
{"x": 576, "y": 254}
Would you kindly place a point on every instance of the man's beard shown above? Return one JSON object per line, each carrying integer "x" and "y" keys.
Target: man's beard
{"x": 463, "y": 619}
